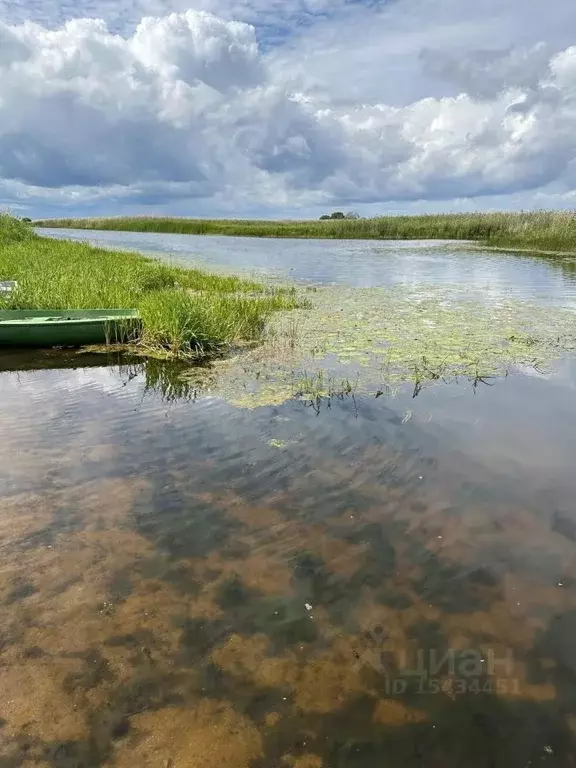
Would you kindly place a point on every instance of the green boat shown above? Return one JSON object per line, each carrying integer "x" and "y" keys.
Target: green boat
{"x": 67, "y": 327}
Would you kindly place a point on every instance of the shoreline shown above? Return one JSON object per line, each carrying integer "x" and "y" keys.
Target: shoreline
{"x": 186, "y": 312}
{"x": 549, "y": 233}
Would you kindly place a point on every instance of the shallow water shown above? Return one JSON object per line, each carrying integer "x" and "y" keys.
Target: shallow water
{"x": 356, "y": 582}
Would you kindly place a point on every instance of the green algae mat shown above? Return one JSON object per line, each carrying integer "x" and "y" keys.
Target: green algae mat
{"x": 371, "y": 340}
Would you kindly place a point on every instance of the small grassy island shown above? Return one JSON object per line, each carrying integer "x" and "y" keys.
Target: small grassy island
{"x": 185, "y": 312}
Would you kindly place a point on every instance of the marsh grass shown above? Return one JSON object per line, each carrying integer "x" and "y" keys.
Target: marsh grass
{"x": 184, "y": 311}
{"x": 534, "y": 230}
{"x": 312, "y": 387}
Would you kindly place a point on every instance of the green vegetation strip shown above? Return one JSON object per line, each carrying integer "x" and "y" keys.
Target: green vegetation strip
{"x": 373, "y": 340}
{"x": 185, "y": 312}
{"x": 553, "y": 231}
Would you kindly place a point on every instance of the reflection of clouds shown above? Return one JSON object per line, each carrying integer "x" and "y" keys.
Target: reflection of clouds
{"x": 525, "y": 425}
{"x": 55, "y": 419}
{"x": 37, "y": 383}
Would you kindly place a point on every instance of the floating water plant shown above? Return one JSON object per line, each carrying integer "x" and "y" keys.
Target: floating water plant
{"x": 372, "y": 340}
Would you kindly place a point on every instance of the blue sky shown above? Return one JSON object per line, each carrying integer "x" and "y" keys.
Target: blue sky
{"x": 286, "y": 107}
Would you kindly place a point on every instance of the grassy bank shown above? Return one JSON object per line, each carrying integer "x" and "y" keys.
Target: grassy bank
{"x": 184, "y": 311}
{"x": 538, "y": 230}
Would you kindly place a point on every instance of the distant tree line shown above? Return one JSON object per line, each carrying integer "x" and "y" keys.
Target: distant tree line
{"x": 340, "y": 215}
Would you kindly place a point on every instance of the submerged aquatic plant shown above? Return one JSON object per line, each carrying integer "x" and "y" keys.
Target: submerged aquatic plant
{"x": 319, "y": 385}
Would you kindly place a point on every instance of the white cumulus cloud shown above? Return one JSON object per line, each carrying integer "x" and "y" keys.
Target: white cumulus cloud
{"x": 187, "y": 107}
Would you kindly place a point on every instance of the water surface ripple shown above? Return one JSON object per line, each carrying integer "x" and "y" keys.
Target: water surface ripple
{"x": 356, "y": 583}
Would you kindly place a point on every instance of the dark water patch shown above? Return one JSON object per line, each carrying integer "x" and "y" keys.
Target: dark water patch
{"x": 66, "y": 519}
{"x": 232, "y": 594}
{"x": 556, "y": 643}
{"x": 95, "y": 671}
{"x": 69, "y": 754}
{"x": 246, "y": 697}
{"x": 476, "y": 730}
{"x": 35, "y": 360}
{"x": 308, "y": 567}
{"x": 25, "y": 749}
{"x": 429, "y": 635}
{"x": 198, "y": 638}
{"x": 146, "y": 691}
{"x": 317, "y": 585}
{"x": 380, "y": 560}
{"x": 34, "y": 652}
{"x": 182, "y": 526}
{"x": 483, "y": 577}
{"x": 134, "y": 640}
{"x": 121, "y": 730}
{"x": 179, "y": 577}
{"x": 564, "y": 526}
{"x": 143, "y": 693}
{"x": 285, "y": 621}
{"x": 120, "y": 586}
{"x": 144, "y": 646}
{"x": 43, "y": 538}
{"x": 390, "y": 595}
{"x": 20, "y": 591}
{"x": 235, "y": 550}
{"x": 467, "y": 592}
{"x": 168, "y": 382}
{"x": 11, "y": 635}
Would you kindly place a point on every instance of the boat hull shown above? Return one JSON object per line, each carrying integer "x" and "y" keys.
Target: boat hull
{"x": 72, "y": 328}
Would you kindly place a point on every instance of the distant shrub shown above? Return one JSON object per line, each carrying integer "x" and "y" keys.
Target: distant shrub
{"x": 337, "y": 215}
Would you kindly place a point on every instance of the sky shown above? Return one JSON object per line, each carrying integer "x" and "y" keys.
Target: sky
{"x": 286, "y": 108}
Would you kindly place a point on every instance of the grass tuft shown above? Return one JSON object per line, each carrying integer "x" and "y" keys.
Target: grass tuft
{"x": 184, "y": 311}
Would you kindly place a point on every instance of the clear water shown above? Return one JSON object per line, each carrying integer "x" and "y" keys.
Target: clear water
{"x": 395, "y": 585}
